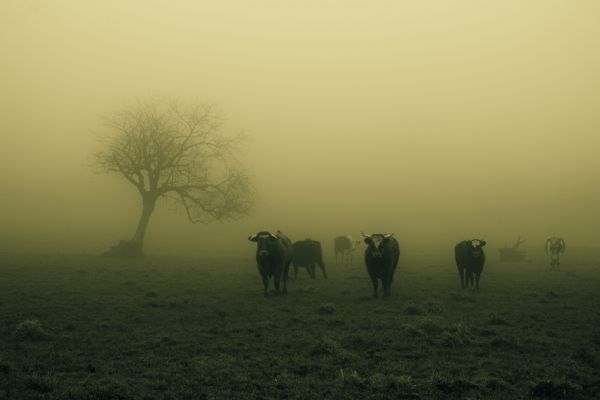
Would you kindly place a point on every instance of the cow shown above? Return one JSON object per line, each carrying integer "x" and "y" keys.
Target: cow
{"x": 555, "y": 246}
{"x": 274, "y": 255}
{"x": 470, "y": 259}
{"x": 381, "y": 257}
{"x": 345, "y": 246}
{"x": 308, "y": 254}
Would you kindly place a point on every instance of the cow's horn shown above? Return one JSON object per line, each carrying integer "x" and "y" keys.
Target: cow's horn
{"x": 252, "y": 237}
{"x": 273, "y": 236}
{"x": 387, "y": 235}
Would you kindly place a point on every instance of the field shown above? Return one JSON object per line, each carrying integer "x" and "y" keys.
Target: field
{"x": 84, "y": 327}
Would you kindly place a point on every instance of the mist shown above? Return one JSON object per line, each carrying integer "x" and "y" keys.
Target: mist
{"x": 438, "y": 121}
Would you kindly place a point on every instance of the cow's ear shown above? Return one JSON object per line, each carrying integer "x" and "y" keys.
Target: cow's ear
{"x": 483, "y": 242}
{"x": 253, "y": 238}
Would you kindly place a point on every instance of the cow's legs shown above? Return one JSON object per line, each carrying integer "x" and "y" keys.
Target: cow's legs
{"x": 477, "y": 275}
{"x": 375, "y": 286}
{"x": 265, "y": 284}
{"x": 295, "y": 271}
{"x": 276, "y": 280}
{"x": 311, "y": 270}
{"x": 323, "y": 270}
{"x": 469, "y": 278}
{"x": 385, "y": 282}
{"x": 554, "y": 260}
{"x": 461, "y": 272}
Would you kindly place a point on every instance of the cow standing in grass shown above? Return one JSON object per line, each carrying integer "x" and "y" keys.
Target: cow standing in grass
{"x": 555, "y": 246}
{"x": 381, "y": 257}
{"x": 308, "y": 254}
{"x": 273, "y": 257}
{"x": 344, "y": 246}
{"x": 470, "y": 260}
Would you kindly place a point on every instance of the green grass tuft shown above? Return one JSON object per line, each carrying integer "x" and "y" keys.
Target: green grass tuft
{"x": 31, "y": 329}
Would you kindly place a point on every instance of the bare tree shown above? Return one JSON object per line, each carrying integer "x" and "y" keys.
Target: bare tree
{"x": 512, "y": 253}
{"x": 167, "y": 149}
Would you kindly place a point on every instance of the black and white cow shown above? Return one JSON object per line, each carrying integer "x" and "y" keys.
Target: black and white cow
{"x": 555, "y": 247}
{"x": 470, "y": 260}
{"x": 308, "y": 254}
{"x": 273, "y": 256}
{"x": 344, "y": 246}
{"x": 381, "y": 257}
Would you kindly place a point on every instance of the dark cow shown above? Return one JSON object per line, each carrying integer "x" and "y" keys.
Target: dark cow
{"x": 344, "y": 246}
{"x": 273, "y": 256}
{"x": 381, "y": 257}
{"x": 470, "y": 259}
{"x": 308, "y": 254}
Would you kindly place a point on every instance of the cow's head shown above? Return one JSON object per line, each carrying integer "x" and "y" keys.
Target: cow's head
{"x": 264, "y": 241}
{"x": 476, "y": 247}
{"x": 375, "y": 242}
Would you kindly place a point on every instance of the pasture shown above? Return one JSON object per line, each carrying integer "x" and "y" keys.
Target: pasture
{"x": 85, "y": 327}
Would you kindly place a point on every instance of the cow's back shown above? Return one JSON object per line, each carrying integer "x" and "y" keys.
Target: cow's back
{"x": 342, "y": 243}
{"x": 307, "y": 252}
{"x": 394, "y": 247}
{"x": 302, "y": 253}
{"x": 286, "y": 247}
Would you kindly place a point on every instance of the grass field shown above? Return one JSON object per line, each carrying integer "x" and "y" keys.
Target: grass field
{"x": 82, "y": 327}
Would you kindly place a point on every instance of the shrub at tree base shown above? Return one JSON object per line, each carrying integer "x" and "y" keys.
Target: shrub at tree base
{"x": 125, "y": 248}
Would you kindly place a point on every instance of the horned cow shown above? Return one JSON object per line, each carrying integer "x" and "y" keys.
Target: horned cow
{"x": 381, "y": 257}
{"x": 273, "y": 258}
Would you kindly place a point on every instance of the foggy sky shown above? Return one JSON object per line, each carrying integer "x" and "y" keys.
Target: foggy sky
{"x": 437, "y": 120}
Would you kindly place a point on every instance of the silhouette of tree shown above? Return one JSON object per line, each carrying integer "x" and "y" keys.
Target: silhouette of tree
{"x": 167, "y": 149}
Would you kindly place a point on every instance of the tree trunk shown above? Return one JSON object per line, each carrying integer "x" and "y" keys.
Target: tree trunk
{"x": 148, "y": 203}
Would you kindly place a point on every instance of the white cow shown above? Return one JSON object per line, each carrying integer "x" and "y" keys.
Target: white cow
{"x": 555, "y": 247}
{"x": 344, "y": 246}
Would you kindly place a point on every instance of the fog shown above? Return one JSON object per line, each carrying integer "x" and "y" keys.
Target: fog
{"x": 436, "y": 120}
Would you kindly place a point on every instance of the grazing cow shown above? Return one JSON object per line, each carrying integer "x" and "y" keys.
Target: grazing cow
{"x": 308, "y": 254}
{"x": 273, "y": 257}
{"x": 381, "y": 257}
{"x": 555, "y": 246}
{"x": 345, "y": 246}
{"x": 470, "y": 259}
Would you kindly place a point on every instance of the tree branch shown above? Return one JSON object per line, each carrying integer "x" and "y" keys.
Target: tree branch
{"x": 163, "y": 147}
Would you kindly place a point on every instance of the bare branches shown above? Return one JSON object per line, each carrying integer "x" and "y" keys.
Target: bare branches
{"x": 167, "y": 148}
{"x": 518, "y": 243}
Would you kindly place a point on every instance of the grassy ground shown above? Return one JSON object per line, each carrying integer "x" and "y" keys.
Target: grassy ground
{"x": 81, "y": 327}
